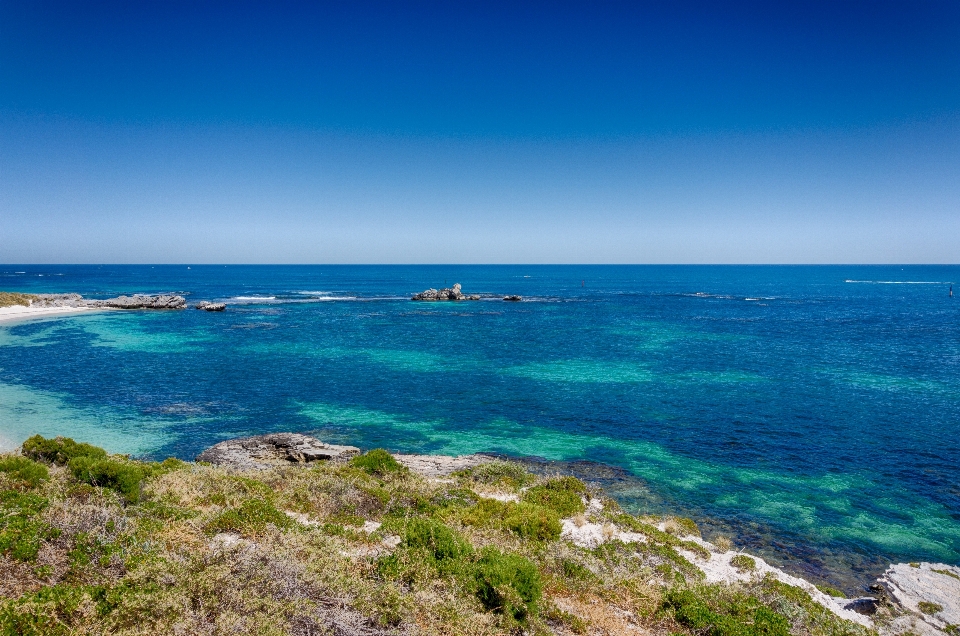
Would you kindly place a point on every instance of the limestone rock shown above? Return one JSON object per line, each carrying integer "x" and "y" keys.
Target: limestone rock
{"x": 514, "y": 299}
{"x": 452, "y": 293}
{"x": 440, "y": 465}
{"x": 274, "y": 449}
{"x": 206, "y": 305}
{"x": 929, "y": 590}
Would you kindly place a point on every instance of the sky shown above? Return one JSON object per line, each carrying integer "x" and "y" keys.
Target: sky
{"x": 480, "y": 132}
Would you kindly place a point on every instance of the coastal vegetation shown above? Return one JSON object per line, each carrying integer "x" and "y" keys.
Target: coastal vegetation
{"x": 10, "y": 299}
{"x": 92, "y": 543}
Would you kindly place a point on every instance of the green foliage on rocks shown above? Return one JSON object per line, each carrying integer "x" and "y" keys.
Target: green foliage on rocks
{"x": 563, "y": 495}
{"x": 10, "y": 299}
{"x": 250, "y": 518}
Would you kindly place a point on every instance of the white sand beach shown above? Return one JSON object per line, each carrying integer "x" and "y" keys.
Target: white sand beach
{"x": 20, "y": 312}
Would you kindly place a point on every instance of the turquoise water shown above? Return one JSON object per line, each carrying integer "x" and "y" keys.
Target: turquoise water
{"x": 811, "y": 412}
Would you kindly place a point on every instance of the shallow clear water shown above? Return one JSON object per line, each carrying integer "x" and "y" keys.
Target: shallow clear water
{"x": 812, "y": 412}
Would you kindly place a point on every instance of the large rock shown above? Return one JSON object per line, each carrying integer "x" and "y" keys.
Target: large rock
{"x": 929, "y": 591}
{"x": 274, "y": 449}
{"x": 162, "y": 301}
{"x": 453, "y": 293}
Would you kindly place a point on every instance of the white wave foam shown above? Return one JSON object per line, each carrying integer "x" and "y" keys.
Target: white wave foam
{"x": 254, "y": 298}
{"x": 900, "y": 282}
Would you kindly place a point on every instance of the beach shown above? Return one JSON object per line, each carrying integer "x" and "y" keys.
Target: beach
{"x": 20, "y": 312}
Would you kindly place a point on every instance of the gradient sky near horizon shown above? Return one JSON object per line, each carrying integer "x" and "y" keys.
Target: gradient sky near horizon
{"x": 480, "y": 132}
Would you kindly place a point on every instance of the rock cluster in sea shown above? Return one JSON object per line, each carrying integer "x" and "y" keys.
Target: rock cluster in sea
{"x": 452, "y": 293}
{"x": 513, "y": 299}
{"x": 137, "y": 301}
{"x": 263, "y": 451}
{"x": 206, "y": 305}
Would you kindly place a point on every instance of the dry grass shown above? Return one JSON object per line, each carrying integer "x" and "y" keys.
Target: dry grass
{"x": 10, "y": 299}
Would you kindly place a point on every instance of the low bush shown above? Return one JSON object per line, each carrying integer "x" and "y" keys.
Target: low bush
{"x": 9, "y": 299}
{"x": 59, "y": 450}
{"x": 508, "y": 583}
{"x": 498, "y": 473}
{"x": 743, "y": 563}
{"x": 438, "y": 541}
{"x": 119, "y": 475}
{"x": 251, "y": 518}
{"x": 24, "y": 470}
{"x": 831, "y": 591}
{"x": 563, "y": 495}
{"x": 929, "y": 608}
{"x": 532, "y": 522}
{"x": 738, "y": 616}
{"x": 22, "y": 530}
{"x": 378, "y": 462}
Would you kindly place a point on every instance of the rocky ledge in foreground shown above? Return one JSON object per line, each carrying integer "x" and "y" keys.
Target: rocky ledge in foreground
{"x": 452, "y": 293}
{"x": 264, "y": 451}
{"x": 137, "y": 301}
{"x": 280, "y": 449}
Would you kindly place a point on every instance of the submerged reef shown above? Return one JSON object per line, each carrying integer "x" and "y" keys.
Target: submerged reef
{"x": 284, "y": 534}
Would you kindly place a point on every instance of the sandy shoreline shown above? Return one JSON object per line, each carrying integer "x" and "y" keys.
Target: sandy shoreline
{"x": 19, "y": 312}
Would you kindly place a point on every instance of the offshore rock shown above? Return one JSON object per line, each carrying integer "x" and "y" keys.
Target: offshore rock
{"x": 453, "y": 293}
{"x": 513, "y": 299}
{"x": 162, "y": 301}
{"x": 275, "y": 449}
{"x": 206, "y": 305}
{"x": 929, "y": 591}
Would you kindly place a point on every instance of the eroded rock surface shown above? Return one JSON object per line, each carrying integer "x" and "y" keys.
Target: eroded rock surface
{"x": 440, "y": 465}
{"x": 275, "y": 449}
{"x": 930, "y": 591}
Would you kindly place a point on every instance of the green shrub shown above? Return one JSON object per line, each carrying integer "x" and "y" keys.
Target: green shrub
{"x": 47, "y": 612}
{"x": 119, "y": 475}
{"x": 831, "y": 591}
{"x": 378, "y": 462}
{"x": 508, "y": 583}
{"x": 562, "y": 495}
{"x": 9, "y": 299}
{"x": 498, "y": 473}
{"x": 21, "y": 529}
{"x": 24, "y": 470}
{"x": 526, "y": 520}
{"x": 743, "y": 563}
{"x": 59, "y": 450}
{"x": 437, "y": 540}
{"x": 741, "y": 616}
{"x": 929, "y": 608}
{"x": 251, "y": 518}
{"x": 533, "y": 522}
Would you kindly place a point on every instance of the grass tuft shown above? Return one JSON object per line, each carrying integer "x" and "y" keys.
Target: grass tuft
{"x": 25, "y": 471}
{"x": 378, "y": 462}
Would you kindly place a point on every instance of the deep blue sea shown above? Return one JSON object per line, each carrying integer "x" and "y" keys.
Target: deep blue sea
{"x": 811, "y": 413}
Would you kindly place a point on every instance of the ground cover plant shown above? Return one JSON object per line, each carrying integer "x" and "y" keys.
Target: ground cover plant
{"x": 92, "y": 543}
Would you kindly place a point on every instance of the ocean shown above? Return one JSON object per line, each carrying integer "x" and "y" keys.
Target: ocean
{"x": 811, "y": 413}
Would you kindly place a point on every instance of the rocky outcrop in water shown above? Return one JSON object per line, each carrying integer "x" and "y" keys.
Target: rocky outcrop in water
{"x": 275, "y": 449}
{"x": 452, "y": 293}
{"x": 513, "y": 299}
{"x": 137, "y": 301}
{"x": 206, "y": 305}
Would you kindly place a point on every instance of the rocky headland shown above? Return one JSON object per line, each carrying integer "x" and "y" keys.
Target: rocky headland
{"x": 286, "y": 534}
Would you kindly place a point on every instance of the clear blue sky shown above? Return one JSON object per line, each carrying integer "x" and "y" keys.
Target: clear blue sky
{"x": 673, "y": 132}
